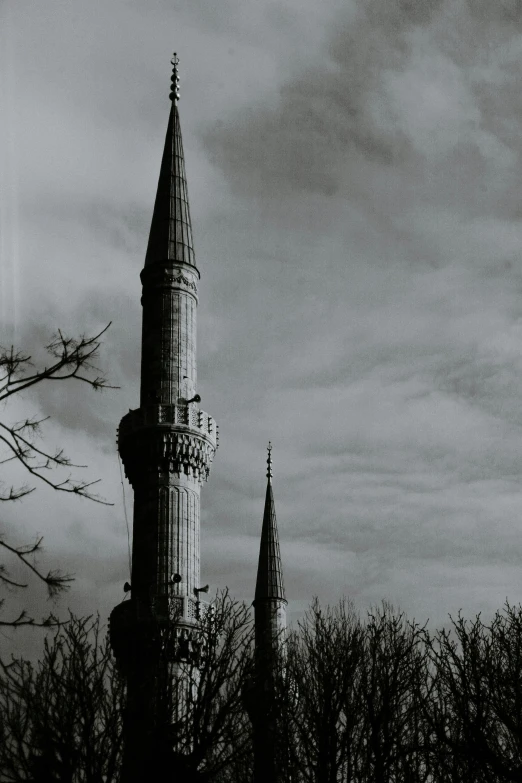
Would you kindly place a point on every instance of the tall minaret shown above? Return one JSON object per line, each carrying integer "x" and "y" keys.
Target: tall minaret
{"x": 270, "y": 626}
{"x": 167, "y": 446}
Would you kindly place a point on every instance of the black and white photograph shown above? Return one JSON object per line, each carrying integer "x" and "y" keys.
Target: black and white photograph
{"x": 261, "y": 391}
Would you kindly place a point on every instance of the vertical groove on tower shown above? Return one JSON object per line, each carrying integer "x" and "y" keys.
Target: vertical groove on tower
{"x": 183, "y": 550}
{"x": 163, "y": 539}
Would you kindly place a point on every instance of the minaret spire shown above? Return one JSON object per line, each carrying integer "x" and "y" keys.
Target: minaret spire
{"x": 270, "y": 626}
{"x": 171, "y": 229}
{"x": 167, "y": 446}
{"x": 269, "y": 584}
{"x": 170, "y": 374}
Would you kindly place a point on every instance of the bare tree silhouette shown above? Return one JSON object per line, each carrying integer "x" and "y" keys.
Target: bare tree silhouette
{"x": 72, "y": 359}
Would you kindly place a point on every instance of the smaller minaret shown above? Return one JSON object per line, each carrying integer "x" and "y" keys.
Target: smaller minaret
{"x": 270, "y": 626}
{"x": 270, "y": 601}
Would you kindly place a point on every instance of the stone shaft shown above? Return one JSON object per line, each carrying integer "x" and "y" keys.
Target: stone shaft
{"x": 167, "y": 444}
{"x": 168, "y": 358}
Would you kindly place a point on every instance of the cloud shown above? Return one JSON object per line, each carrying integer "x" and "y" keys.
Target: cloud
{"x": 354, "y": 175}
{"x": 397, "y": 395}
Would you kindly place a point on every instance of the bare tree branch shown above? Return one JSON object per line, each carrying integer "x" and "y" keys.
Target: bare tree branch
{"x": 55, "y": 581}
{"x": 72, "y": 355}
{"x": 23, "y": 619}
{"x": 72, "y": 359}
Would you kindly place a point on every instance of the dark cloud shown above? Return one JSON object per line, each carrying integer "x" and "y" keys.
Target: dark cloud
{"x": 332, "y": 112}
{"x": 505, "y": 11}
{"x": 397, "y": 109}
{"x": 306, "y": 142}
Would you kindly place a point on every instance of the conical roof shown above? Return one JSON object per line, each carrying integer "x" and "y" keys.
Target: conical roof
{"x": 170, "y": 237}
{"x": 269, "y": 582}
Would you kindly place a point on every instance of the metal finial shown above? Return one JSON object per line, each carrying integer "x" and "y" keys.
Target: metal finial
{"x": 174, "y": 87}
{"x": 269, "y": 462}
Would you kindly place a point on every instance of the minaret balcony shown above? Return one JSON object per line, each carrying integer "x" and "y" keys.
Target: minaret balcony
{"x": 135, "y": 628}
{"x": 158, "y": 414}
{"x": 182, "y": 609}
{"x": 177, "y": 438}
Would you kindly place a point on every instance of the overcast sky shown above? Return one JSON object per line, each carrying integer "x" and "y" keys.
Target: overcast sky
{"x": 355, "y": 180}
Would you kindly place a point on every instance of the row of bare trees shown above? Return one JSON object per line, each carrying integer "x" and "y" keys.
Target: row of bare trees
{"x": 380, "y": 699}
{"x": 60, "y": 720}
{"x": 387, "y": 700}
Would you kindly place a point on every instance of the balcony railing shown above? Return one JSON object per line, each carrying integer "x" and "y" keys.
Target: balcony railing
{"x": 158, "y": 414}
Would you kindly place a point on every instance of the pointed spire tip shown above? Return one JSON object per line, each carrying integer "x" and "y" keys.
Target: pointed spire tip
{"x": 269, "y": 583}
{"x": 174, "y": 79}
{"x": 170, "y": 237}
